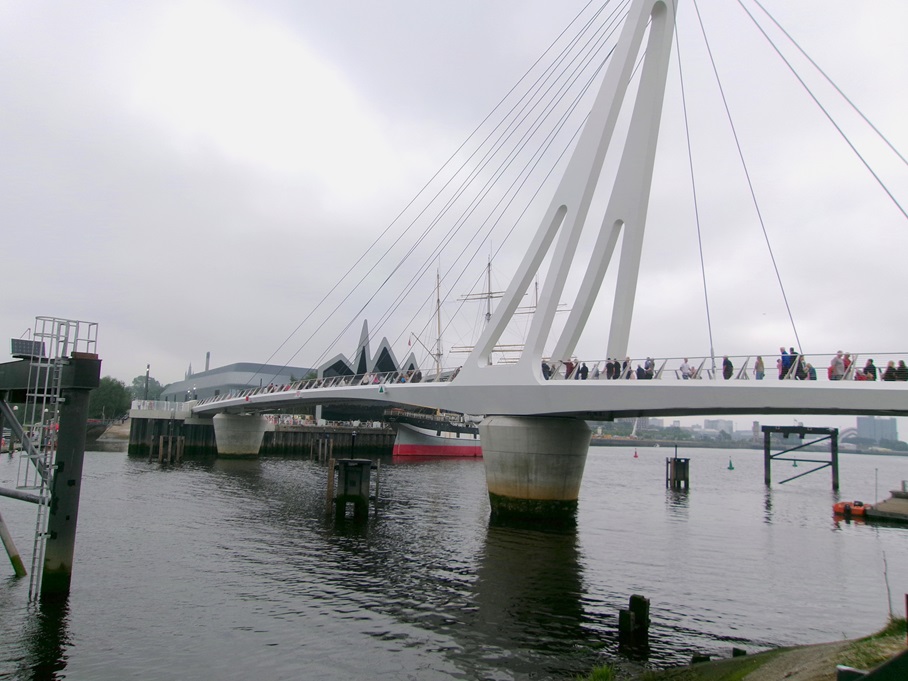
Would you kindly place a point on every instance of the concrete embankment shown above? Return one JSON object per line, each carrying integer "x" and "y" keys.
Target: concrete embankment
{"x": 894, "y": 509}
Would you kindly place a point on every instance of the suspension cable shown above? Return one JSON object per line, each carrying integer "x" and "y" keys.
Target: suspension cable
{"x": 693, "y": 186}
{"x": 753, "y": 194}
{"x": 833, "y": 84}
{"x": 521, "y": 144}
{"x": 513, "y": 191}
{"x": 367, "y": 250}
{"x": 828, "y": 115}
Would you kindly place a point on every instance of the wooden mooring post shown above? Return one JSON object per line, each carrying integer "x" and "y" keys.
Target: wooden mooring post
{"x": 322, "y": 448}
{"x": 170, "y": 449}
{"x": 677, "y": 472}
{"x": 633, "y": 624}
{"x": 353, "y": 486}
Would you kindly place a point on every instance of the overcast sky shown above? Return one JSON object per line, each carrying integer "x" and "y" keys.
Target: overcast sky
{"x": 194, "y": 176}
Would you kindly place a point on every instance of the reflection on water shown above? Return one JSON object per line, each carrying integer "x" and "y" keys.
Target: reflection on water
{"x": 528, "y": 593}
{"x": 677, "y": 502}
{"x": 46, "y": 641}
{"x": 229, "y": 569}
{"x": 767, "y": 506}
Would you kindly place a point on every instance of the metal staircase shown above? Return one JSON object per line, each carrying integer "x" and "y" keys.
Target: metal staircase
{"x": 54, "y": 341}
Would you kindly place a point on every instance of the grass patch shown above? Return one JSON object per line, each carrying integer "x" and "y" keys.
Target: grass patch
{"x": 875, "y": 649}
{"x": 604, "y": 673}
{"x": 865, "y": 653}
{"x": 734, "y": 669}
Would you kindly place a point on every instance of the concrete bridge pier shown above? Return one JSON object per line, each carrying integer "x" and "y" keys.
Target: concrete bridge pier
{"x": 534, "y": 466}
{"x": 239, "y": 435}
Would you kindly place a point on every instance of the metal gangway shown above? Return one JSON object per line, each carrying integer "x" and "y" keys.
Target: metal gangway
{"x": 50, "y": 348}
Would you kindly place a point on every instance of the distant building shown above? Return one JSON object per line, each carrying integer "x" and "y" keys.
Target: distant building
{"x": 719, "y": 425}
{"x": 245, "y": 375}
{"x": 239, "y": 376}
{"x": 876, "y": 429}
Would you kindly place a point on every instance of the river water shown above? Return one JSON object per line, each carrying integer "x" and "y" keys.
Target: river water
{"x": 221, "y": 570}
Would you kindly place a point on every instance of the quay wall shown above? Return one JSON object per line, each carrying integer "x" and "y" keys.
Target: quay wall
{"x": 284, "y": 440}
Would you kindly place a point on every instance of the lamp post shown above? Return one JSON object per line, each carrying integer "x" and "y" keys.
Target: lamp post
{"x": 147, "y": 371}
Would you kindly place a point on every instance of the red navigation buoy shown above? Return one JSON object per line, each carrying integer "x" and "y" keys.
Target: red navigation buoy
{"x": 635, "y": 453}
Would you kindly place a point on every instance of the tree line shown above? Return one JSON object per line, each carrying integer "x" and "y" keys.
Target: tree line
{"x": 113, "y": 398}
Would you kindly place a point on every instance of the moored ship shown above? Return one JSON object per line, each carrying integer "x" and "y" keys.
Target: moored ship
{"x": 434, "y": 434}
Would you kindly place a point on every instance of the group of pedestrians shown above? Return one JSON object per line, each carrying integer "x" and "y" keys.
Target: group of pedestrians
{"x": 790, "y": 365}
{"x": 572, "y": 369}
{"x": 614, "y": 369}
{"x": 841, "y": 363}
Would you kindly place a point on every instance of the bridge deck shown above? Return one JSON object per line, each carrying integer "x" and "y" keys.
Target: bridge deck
{"x": 594, "y": 399}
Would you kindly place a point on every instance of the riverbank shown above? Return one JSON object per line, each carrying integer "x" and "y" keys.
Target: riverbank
{"x": 799, "y": 663}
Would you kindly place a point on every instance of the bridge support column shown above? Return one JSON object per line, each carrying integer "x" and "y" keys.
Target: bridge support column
{"x": 66, "y": 485}
{"x": 534, "y": 465}
{"x": 239, "y": 435}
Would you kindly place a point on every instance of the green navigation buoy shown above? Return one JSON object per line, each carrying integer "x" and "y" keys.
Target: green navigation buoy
{"x": 795, "y": 464}
{"x": 731, "y": 466}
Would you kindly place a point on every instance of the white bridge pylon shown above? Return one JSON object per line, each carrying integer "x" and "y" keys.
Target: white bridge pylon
{"x": 567, "y": 214}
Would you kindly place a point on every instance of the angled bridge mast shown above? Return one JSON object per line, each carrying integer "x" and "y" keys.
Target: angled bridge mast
{"x": 568, "y": 211}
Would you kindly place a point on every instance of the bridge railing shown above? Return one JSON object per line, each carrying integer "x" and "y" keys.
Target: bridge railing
{"x": 855, "y": 367}
{"x": 159, "y": 405}
{"x": 350, "y": 380}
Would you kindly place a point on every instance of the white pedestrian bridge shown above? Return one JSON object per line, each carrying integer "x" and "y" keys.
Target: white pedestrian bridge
{"x": 518, "y": 393}
{"x": 534, "y": 433}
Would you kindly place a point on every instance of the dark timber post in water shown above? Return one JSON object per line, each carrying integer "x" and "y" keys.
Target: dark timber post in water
{"x": 633, "y": 625}
{"x": 84, "y": 375}
{"x": 767, "y": 457}
{"x": 834, "y": 452}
